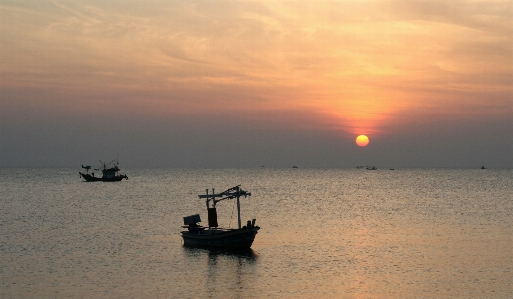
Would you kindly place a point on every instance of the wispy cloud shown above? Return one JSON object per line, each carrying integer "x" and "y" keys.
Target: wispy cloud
{"x": 359, "y": 62}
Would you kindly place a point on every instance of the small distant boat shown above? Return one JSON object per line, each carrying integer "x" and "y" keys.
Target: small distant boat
{"x": 371, "y": 168}
{"x": 109, "y": 174}
{"x": 483, "y": 167}
{"x": 213, "y": 236}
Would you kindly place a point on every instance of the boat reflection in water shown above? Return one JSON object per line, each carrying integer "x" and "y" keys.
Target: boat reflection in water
{"x": 213, "y": 236}
{"x": 248, "y": 255}
{"x": 233, "y": 270}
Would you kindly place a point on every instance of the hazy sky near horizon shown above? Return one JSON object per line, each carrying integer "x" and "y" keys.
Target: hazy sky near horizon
{"x": 251, "y": 83}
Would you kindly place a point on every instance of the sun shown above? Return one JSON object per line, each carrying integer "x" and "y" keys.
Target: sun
{"x": 362, "y": 140}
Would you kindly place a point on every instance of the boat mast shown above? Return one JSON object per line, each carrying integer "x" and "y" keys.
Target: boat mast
{"x": 234, "y": 192}
{"x": 238, "y": 204}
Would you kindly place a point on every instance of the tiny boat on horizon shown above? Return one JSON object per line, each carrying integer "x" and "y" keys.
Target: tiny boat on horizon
{"x": 213, "y": 236}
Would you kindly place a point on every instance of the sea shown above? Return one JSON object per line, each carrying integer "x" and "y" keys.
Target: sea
{"x": 325, "y": 233}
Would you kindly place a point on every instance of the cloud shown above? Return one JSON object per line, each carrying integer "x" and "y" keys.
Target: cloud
{"x": 345, "y": 67}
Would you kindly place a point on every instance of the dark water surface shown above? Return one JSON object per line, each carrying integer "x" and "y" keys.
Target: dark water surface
{"x": 325, "y": 233}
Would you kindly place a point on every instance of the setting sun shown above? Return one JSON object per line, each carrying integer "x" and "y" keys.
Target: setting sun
{"x": 362, "y": 140}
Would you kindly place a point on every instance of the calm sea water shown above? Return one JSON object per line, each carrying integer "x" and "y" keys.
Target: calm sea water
{"x": 325, "y": 233}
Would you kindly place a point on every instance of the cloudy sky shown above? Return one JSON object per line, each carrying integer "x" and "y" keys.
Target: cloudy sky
{"x": 248, "y": 83}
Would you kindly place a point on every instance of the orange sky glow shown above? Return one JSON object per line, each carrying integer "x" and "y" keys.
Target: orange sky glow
{"x": 354, "y": 67}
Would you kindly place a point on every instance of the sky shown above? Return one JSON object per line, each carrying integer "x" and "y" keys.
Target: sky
{"x": 256, "y": 83}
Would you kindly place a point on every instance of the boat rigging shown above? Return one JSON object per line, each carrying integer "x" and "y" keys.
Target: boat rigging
{"x": 214, "y": 236}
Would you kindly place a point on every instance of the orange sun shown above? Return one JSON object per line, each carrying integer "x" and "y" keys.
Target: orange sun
{"x": 362, "y": 140}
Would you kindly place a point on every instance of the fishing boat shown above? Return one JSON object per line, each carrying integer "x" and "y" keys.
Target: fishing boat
{"x": 214, "y": 236}
{"x": 109, "y": 173}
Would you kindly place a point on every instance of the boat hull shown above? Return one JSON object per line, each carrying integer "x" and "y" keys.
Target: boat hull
{"x": 222, "y": 238}
{"x": 90, "y": 178}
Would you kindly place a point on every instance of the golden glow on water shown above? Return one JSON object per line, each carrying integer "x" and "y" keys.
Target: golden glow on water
{"x": 330, "y": 233}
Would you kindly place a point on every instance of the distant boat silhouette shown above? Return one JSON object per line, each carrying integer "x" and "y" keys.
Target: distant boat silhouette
{"x": 109, "y": 174}
{"x": 483, "y": 167}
